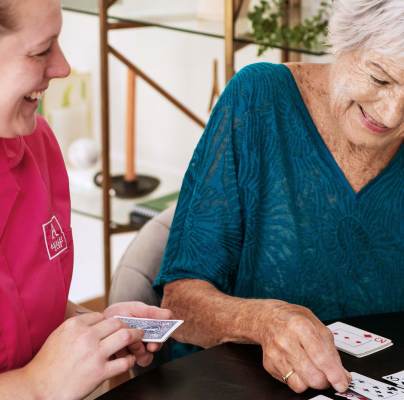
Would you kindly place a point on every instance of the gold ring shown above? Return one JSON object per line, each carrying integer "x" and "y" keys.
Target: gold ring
{"x": 287, "y": 376}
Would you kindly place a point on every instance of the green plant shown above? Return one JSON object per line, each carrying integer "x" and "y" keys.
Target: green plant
{"x": 269, "y": 28}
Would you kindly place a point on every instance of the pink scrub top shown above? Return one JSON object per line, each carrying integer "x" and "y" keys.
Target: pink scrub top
{"x": 36, "y": 247}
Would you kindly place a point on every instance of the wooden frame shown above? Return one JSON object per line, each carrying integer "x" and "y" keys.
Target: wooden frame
{"x": 106, "y": 49}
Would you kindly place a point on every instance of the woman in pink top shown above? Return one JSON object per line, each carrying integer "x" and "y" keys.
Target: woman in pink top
{"x": 48, "y": 347}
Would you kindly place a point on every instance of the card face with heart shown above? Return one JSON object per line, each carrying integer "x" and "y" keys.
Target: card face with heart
{"x": 357, "y": 342}
{"x": 155, "y": 330}
{"x": 397, "y": 379}
{"x": 373, "y": 389}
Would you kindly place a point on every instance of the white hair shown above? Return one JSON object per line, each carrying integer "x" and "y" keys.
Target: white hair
{"x": 367, "y": 24}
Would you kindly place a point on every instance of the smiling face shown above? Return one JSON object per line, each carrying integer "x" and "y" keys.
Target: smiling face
{"x": 367, "y": 98}
{"x": 31, "y": 58}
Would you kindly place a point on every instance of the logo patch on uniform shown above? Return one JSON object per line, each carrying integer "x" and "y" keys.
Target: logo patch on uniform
{"x": 55, "y": 239}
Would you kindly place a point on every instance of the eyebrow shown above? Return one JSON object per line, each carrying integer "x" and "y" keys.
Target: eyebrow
{"x": 382, "y": 69}
{"x": 50, "y": 39}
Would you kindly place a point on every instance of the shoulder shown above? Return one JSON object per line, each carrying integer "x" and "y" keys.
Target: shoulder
{"x": 260, "y": 86}
{"x": 262, "y": 71}
{"x": 261, "y": 77}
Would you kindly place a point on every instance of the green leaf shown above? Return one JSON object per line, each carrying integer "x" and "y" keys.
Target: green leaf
{"x": 269, "y": 29}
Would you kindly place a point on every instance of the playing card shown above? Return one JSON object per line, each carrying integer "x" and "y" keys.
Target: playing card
{"x": 374, "y": 390}
{"x": 357, "y": 342}
{"x": 155, "y": 330}
{"x": 320, "y": 397}
{"x": 397, "y": 379}
{"x": 351, "y": 395}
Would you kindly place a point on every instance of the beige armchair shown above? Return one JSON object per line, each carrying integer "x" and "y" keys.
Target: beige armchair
{"x": 140, "y": 264}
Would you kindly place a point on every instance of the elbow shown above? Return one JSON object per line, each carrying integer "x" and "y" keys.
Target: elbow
{"x": 180, "y": 294}
{"x": 173, "y": 295}
{"x": 167, "y": 296}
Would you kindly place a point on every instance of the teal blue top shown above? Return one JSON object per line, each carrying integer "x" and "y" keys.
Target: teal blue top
{"x": 266, "y": 212}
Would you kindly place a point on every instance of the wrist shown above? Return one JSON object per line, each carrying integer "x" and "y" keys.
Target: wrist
{"x": 37, "y": 388}
{"x": 254, "y": 319}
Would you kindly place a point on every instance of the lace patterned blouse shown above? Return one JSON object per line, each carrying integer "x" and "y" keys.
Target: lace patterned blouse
{"x": 265, "y": 211}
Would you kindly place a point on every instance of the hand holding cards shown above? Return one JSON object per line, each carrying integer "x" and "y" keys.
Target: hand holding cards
{"x": 155, "y": 330}
{"x": 357, "y": 342}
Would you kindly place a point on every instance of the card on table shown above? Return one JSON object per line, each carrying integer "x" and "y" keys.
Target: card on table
{"x": 351, "y": 395}
{"x": 397, "y": 379}
{"x": 373, "y": 389}
{"x": 155, "y": 330}
{"x": 357, "y": 342}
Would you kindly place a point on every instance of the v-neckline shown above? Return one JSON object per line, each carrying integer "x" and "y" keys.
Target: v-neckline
{"x": 326, "y": 154}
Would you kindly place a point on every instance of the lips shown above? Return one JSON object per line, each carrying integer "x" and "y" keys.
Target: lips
{"x": 371, "y": 123}
{"x": 35, "y": 95}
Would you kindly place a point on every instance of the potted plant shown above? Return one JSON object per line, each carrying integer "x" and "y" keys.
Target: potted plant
{"x": 271, "y": 28}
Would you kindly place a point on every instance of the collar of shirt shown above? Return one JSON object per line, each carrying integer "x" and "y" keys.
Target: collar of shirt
{"x": 11, "y": 152}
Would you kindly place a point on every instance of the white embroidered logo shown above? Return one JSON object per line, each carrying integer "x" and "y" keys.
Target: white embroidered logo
{"x": 55, "y": 239}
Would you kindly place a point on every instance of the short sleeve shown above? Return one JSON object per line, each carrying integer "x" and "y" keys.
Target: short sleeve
{"x": 206, "y": 235}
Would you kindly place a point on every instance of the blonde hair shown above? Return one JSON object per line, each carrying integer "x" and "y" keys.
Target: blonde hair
{"x": 367, "y": 24}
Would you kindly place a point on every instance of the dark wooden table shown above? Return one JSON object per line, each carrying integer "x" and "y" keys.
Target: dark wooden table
{"x": 235, "y": 372}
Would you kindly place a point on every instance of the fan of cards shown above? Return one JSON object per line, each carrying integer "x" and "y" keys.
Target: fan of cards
{"x": 364, "y": 388}
{"x": 155, "y": 330}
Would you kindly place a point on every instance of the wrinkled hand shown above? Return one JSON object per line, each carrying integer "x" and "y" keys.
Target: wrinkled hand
{"x": 292, "y": 338}
{"x": 142, "y": 351}
{"x": 77, "y": 357}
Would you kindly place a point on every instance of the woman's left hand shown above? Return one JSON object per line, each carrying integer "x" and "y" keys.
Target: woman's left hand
{"x": 142, "y": 351}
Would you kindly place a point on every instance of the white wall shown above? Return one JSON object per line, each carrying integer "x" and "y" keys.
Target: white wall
{"x": 180, "y": 62}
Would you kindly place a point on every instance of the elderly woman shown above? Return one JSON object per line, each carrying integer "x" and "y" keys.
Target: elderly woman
{"x": 292, "y": 209}
{"x": 41, "y": 356}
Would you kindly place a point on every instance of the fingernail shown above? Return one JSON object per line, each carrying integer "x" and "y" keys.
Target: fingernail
{"x": 340, "y": 388}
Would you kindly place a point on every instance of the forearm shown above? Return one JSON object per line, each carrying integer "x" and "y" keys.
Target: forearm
{"x": 15, "y": 385}
{"x": 212, "y": 317}
{"x": 72, "y": 310}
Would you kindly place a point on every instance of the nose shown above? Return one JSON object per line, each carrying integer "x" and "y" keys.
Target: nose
{"x": 392, "y": 110}
{"x": 58, "y": 66}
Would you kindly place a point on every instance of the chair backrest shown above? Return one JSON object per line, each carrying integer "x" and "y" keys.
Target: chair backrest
{"x": 140, "y": 264}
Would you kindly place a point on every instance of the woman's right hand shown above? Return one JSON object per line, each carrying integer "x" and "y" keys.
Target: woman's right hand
{"x": 294, "y": 339}
{"x": 78, "y": 356}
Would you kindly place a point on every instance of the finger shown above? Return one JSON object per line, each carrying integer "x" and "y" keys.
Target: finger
{"x": 154, "y": 347}
{"x": 90, "y": 318}
{"x": 143, "y": 357}
{"x": 122, "y": 353}
{"x": 277, "y": 366}
{"x": 137, "y": 348}
{"x": 305, "y": 368}
{"x": 119, "y": 340}
{"x": 144, "y": 360}
{"x": 141, "y": 310}
{"x": 348, "y": 375}
{"x": 322, "y": 352}
{"x": 119, "y": 366}
{"x": 107, "y": 327}
{"x": 296, "y": 383}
